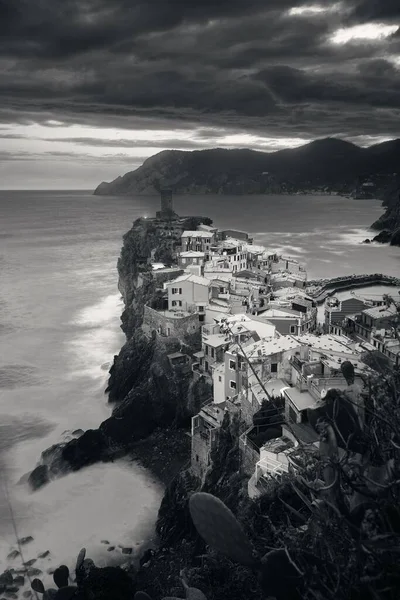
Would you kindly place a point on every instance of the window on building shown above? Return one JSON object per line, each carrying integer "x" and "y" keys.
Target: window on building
{"x": 219, "y": 378}
{"x": 206, "y": 349}
{"x": 173, "y": 302}
{"x": 221, "y": 290}
{"x": 293, "y": 329}
{"x": 212, "y": 353}
{"x": 179, "y": 302}
{"x": 184, "y": 261}
{"x": 180, "y": 290}
{"x": 201, "y": 318}
{"x": 232, "y": 385}
{"x": 274, "y": 367}
{"x": 200, "y": 308}
{"x": 232, "y": 365}
{"x": 168, "y": 331}
{"x": 206, "y": 365}
{"x": 174, "y": 290}
{"x": 197, "y": 458}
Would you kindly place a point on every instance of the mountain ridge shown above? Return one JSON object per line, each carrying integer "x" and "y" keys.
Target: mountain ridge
{"x": 328, "y": 164}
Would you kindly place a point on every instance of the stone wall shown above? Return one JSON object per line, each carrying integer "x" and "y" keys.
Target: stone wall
{"x": 249, "y": 456}
{"x": 200, "y": 455}
{"x": 168, "y": 326}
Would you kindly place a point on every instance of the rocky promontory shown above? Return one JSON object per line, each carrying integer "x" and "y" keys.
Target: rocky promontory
{"x": 145, "y": 392}
{"x": 326, "y": 165}
{"x": 388, "y": 224}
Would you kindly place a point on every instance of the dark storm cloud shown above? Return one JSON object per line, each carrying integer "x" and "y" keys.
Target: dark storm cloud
{"x": 243, "y": 66}
{"x": 375, "y": 10}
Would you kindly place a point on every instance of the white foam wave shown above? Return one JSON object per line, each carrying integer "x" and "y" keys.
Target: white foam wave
{"x": 100, "y": 313}
{"x": 114, "y": 502}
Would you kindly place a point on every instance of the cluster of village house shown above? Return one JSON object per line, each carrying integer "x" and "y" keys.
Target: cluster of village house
{"x": 259, "y": 341}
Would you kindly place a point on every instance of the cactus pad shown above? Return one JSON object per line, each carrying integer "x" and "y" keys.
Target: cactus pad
{"x": 141, "y": 596}
{"x": 37, "y": 586}
{"x": 220, "y": 529}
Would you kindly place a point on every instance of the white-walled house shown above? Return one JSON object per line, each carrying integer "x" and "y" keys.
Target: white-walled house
{"x": 189, "y": 293}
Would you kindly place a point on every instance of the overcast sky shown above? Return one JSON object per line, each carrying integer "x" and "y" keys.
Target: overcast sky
{"x": 90, "y": 88}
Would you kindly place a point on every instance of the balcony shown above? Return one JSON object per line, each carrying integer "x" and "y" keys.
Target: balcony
{"x": 297, "y": 363}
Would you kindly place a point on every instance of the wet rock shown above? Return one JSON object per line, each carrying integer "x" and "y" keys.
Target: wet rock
{"x": 50, "y": 571}
{"x": 13, "y": 589}
{"x": 25, "y": 540}
{"x": 44, "y": 554}
{"x": 383, "y": 237}
{"x": 111, "y": 548}
{"x": 13, "y": 555}
{"x": 147, "y": 556}
{"x": 126, "y": 550}
{"x": 39, "y": 477}
{"x": 87, "y": 449}
{"x": 78, "y": 432}
{"x": 105, "y": 542}
{"x": 367, "y": 241}
{"x": 19, "y": 580}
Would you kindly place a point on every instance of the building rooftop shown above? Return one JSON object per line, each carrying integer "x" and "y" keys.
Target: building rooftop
{"x": 301, "y": 400}
{"x": 189, "y": 277}
{"x": 279, "y": 313}
{"x": 197, "y": 233}
{"x": 216, "y": 340}
{"x": 213, "y": 414}
{"x": 277, "y": 445}
{"x": 192, "y": 254}
{"x": 268, "y": 389}
{"x": 327, "y": 343}
{"x": 268, "y": 347}
{"x": 285, "y": 276}
{"x": 305, "y": 433}
{"x": 380, "y": 312}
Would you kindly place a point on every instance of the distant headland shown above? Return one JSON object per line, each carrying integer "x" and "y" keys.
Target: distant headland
{"x": 325, "y": 166}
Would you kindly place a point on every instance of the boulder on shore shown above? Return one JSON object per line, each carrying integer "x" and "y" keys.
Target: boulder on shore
{"x": 383, "y": 237}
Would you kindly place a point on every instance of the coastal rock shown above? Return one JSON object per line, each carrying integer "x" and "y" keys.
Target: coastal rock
{"x": 19, "y": 580}
{"x": 367, "y": 241}
{"x": 87, "y": 449}
{"x": 127, "y": 550}
{"x": 383, "y": 237}
{"x": 39, "y": 477}
{"x": 110, "y": 548}
{"x": 44, "y": 554}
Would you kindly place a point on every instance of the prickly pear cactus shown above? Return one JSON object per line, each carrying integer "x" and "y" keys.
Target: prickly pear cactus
{"x": 220, "y": 529}
{"x": 141, "y": 596}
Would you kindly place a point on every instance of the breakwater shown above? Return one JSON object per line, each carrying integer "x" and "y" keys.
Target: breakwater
{"x": 320, "y": 289}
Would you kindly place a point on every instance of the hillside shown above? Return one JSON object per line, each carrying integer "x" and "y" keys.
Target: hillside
{"x": 329, "y": 164}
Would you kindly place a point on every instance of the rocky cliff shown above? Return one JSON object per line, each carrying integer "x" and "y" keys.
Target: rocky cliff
{"x": 330, "y": 164}
{"x": 389, "y": 223}
{"x": 147, "y": 393}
